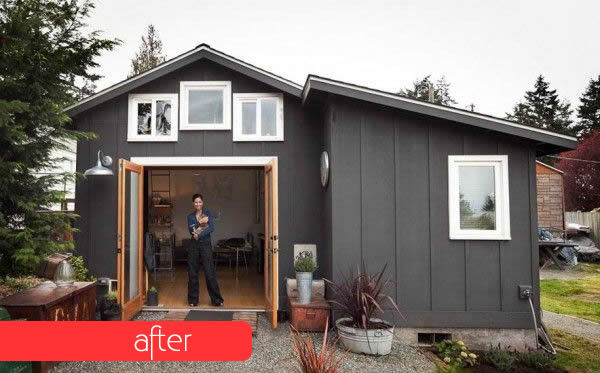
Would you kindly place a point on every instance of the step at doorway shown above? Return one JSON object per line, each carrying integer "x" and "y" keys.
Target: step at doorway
{"x": 248, "y": 316}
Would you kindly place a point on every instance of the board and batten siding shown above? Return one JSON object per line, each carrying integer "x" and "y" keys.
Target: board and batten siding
{"x": 300, "y": 193}
{"x": 388, "y": 193}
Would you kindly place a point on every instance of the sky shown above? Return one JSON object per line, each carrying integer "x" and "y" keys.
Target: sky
{"x": 490, "y": 52}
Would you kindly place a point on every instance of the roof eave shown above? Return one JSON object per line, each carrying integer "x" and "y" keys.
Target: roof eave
{"x": 546, "y": 142}
{"x": 201, "y": 52}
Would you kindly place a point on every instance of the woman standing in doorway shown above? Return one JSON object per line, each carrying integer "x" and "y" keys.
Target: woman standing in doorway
{"x": 201, "y": 224}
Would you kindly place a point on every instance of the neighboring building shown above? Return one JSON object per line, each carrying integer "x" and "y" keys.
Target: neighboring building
{"x": 445, "y": 197}
{"x": 66, "y": 165}
{"x": 550, "y": 196}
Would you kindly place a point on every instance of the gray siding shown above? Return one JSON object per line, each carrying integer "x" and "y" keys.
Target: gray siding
{"x": 300, "y": 194}
{"x": 389, "y": 203}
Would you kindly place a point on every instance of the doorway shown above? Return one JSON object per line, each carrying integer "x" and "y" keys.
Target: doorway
{"x": 249, "y": 279}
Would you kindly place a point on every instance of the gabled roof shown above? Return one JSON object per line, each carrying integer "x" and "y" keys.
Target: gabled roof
{"x": 316, "y": 88}
{"x": 200, "y": 52}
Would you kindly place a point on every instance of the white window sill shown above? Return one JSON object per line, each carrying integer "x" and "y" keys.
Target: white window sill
{"x": 475, "y": 237}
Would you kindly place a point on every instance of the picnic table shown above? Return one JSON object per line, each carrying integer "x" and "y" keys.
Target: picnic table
{"x": 549, "y": 249}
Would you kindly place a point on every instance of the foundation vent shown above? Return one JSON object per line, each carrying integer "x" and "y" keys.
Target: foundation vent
{"x": 428, "y": 339}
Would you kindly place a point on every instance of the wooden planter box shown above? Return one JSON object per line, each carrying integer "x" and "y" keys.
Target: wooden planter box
{"x": 46, "y": 302}
{"x": 310, "y": 317}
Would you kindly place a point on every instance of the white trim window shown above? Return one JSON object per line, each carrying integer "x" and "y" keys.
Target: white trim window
{"x": 205, "y": 105}
{"x": 478, "y": 197}
{"x": 258, "y": 117}
{"x": 152, "y": 117}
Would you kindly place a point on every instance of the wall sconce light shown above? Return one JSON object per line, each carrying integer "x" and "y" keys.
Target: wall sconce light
{"x": 101, "y": 168}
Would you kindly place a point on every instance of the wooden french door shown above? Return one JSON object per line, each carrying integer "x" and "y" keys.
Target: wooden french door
{"x": 130, "y": 238}
{"x": 271, "y": 277}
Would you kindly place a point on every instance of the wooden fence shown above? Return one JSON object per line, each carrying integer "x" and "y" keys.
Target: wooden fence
{"x": 591, "y": 219}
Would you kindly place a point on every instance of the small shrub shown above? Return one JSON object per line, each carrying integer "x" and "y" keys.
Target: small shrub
{"x": 11, "y": 285}
{"x": 537, "y": 360}
{"x": 111, "y": 296}
{"x": 499, "y": 358}
{"x": 152, "y": 290}
{"x": 80, "y": 269}
{"x": 455, "y": 353}
{"x": 312, "y": 360}
{"x": 305, "y": 262}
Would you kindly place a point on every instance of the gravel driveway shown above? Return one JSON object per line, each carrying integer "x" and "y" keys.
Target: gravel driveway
{"x": 272, "y": 351}
{"x": 574, "y": 325}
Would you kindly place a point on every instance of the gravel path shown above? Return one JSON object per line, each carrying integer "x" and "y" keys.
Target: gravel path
{"x": 574, "y": 325}
{"x": 557, "y": 274}
{"x": 272, "y": 351}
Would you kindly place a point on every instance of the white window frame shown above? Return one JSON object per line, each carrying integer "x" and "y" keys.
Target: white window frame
{"x": 239, "y": 99}
{"x": 134, "y": 99}
{"x": 500, "y": 164}
{"x": 184, "y": 89}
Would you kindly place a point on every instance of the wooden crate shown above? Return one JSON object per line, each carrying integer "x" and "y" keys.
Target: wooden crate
{"x": 310, "y": 317}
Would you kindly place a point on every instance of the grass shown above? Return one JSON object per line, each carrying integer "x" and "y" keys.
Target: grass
{"x": 577, "y": 297}
{"x": 582, "y": 355}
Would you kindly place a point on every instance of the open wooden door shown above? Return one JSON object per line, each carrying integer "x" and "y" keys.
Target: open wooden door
{"x": 271, "y": 243}
{"x": 130, "y": 238}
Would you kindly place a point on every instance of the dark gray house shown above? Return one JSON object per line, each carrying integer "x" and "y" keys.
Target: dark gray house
{"x": 445, "y": 197}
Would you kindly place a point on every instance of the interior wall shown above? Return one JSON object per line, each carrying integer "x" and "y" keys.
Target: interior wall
{"x": 230, "y": 194}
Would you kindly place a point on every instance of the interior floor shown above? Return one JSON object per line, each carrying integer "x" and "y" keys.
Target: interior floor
{"x": 244, "y": 292}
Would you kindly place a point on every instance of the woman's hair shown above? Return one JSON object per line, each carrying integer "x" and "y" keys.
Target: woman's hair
{"x": 197, "y": 195}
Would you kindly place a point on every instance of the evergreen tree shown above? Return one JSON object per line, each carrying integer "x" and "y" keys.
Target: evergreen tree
{"x": 44, "y": 50}
{"x": 420, "y": 90}
{"x": 150, "y": 53}
{"x": 541, "y": 108}
{"x": 589, "y": 110}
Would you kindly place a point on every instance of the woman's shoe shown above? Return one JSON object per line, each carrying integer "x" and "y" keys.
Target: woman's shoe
{"x": 193, "y": 304}
{"x": 218, "y": 304}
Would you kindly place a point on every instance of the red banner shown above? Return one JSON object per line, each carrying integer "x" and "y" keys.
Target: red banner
{"x": 125, "y": 340}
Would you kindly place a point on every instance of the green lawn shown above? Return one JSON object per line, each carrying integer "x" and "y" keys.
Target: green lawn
{"x": 578, "y": 297}
{"x": 575, "y": 354}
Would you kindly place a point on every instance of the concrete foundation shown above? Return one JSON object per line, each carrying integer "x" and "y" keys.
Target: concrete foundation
{"x": 475, "y": 338}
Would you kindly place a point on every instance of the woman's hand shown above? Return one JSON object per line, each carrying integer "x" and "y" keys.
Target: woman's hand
{"x": 196, "y": 236}
{"x": 204, "y": 220}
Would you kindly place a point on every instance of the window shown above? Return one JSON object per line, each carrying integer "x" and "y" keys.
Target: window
{"x": 205, "y": 105}
{"x": 258, "y": 117}
{"x": 478, "y": 197}
{"x": 152, "y": 117}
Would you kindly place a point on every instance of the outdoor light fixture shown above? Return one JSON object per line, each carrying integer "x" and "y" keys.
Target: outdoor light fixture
{"x": 101, "y": 168}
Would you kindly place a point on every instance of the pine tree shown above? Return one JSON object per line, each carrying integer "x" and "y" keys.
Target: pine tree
{"x": 589, "y": 110}
{"x": 150, "y": 53}
{"x": 44, "y": 50}
{"x": 420, "y": 90}
{"x": 542, "y": 108}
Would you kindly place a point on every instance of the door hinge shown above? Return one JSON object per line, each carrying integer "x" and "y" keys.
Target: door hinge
{"x": 274, "y": 238}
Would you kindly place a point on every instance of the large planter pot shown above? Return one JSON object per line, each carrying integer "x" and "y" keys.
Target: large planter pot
{"x": 152, "y": 298}
{"x": 110, "y": 311}
{"x": 304, "y": 281}
{"x": 366, "y": 341}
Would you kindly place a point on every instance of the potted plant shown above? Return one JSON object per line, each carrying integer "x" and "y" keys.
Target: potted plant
{"x": 152, "y": 297}
{"x": 110, "y": 309}
{"x": 358, "y": 297}
{"x": 305, "y": 266}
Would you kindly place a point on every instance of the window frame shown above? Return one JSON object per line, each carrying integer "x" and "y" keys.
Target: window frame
{"x": 502, "y": 201}
{"x": 134, "y": 99}
{"x": 241, "y": 98}
{"x": 207, "y": 85}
